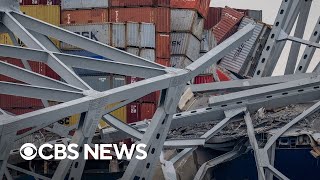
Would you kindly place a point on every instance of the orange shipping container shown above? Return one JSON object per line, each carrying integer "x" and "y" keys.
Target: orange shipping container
{"x": 202, "y": 6}
{"x": 159, "y": 16}
{"x": 147, "y": 110}
{"x": 164, "y": 62}
{"x": 84, "y": 16}
{"x": 163, "y": 45}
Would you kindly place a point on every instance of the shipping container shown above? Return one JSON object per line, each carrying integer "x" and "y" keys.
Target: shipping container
{"x": 118, "y": 81}
{"x": 183, "y": 20}
{"x": 136, "y": 3}
{"x": 213, "y": 18}
{"x": 148, "y": 54}
{"x": 203, "y": 79}
{"x": 98, "y": 32}
{"x": 158, "y": 16}
{"x": 133, "y": 50}
{"x": 148, "y": 35}
{"x": 254, "y": 14}
{"x": 209, "y": 70}
{"x": 83, "y": 4}
{"x": 208, "y": 41}
{"x": 8, "y": 101}
{"x": 180, "y": 62}
{"x": 147, "y": 110}
{"x": 133, "y": 34}
{"x": 238, "y": 59}
{"x": 52, "y": 74}
{"x": 133, "y": 112}
{"x": 223, "y": 75}
{"x": 84, "y": 16}
{"x": 163, "y": 45}
{"x": 39, "y": 2}
{"x": 118, "y": 35}
{"x": 84, "y": 53}
{"x": 98, "y": 83}
{"x": 230, "y": 19}
{"x": 185, "y": 44}
{"x": 164, "y": 62}
{"x": 202, "y": 6}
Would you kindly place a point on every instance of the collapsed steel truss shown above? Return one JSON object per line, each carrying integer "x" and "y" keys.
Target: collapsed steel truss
{"x": 79, "y": 97}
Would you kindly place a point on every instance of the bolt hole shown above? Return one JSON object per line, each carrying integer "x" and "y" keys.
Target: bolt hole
{"x": 315, "y": 33}
{"x": 300, "y": 68}
{"x": 285, "y": 93}
{"x": 300, "y": 90}
{"x": 263, "y": 60}
{"x": 258, "y": 73}
{"x": 178, "y": 114}
{"x": 281, "y": 12}
{"x": 76, "y": 165}
{"x": 148, "y": 165}
{"x": 223, "y": 105}
{"x": 208, "y": 109}
{"x": 269, "y": 96}
{"x": 316, "y": 87}
{"x": 239, "y": 102}
{"x": 193, "y": 111}
{"x": 152, "y": 150}
{"x": 158, "y": 136}
{"x": 272, "y": 36}
{"x": 277, "y": 23}
{"x": 305, "y": 56}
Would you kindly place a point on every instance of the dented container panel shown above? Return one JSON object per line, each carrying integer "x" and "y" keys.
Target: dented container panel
{"x": 187, "y": 21}
{"x": 180, "y": 62}
{"x": 237, "y": 60}
{"x": 185, "y": 44}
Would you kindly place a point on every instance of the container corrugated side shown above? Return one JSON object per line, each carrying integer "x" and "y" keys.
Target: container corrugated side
{"x": 118, "y": 35}
{"x": 208, "y": 41}
{"x": 118, "y": 81}
{"x": 187, "y": 21}
{"x": 237, "y": 60}
{"x": 98, "y": 83}
{"x": 120, "y": 114}
{"x": 84, "y": 16}
{"x": 147, "y": 110}
{"x": 133, "y": 50}
{"x": 133, "y": 112}
{"x": 20, "y": 111}
{"x": 230, "y": 19}
{"x": 133, "y": 34}
{"x": 39, "y": 2}
{"x": 163, "y": 42}
{"x": 213, "y": 18}
{"x": 49, "y": 14}
{"x": 148, "y": 35}
{"x": 135, "y": 3}
{"x": 203, "y": 79}
{"x": 185, "y": 44}
{"x": 98, "y": 32}
{"x": 159, "y": 16}
{"x": 148, "y": 54}
{"x": 83, "y": 4}
{"x": 164, "y": 62}
{"x": 180, "y": 62}
{"x": 211, "y": 69}
{"x": 8, "y": 101}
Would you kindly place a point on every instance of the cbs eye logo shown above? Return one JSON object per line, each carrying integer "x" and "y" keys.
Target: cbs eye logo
{"x": 28, "y": 151}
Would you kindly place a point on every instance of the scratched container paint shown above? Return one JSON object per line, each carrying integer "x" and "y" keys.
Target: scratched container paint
{"x": 98, "y": 32}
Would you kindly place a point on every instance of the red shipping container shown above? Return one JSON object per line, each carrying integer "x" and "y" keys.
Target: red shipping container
{"x": 159, "y": 16}
{"x": 150, "y": 98}
{"x": 163, "y": 46}
{"x": 213, "y": 18}
{"x": 202, "y": 6}
{"x": 135, "y": 3}
{"x": 84, "y": 16}
{"x": 223, "y": 76}
{"x": 8, "y": 101}
{"x": 164, "y": 62}
{"x": 51, "y": 74}
{"x": 203, "y": 79}
{"x": 16, "y": 62}
{"x": 38, "y": 67}
{"x": 230, "y": 19}
{"x": 147, "y": 110}
{"x": 133, "y": 112}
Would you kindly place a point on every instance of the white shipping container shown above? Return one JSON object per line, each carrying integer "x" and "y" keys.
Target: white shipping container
{"x": 97, "y": 32}
{"x": 237, "y": 60}
{"x": 133, "y": 50}
{"x": 185, "y": 44}
{"x": 209, "y": 70}
{"x": 208, "y": 41}
{"x": 148, "y": 35}
{"x": 133, "y": 34}
{"x": 148, "y": 54}
{"x": 183, "y": 20}
{"x": 180, "y": 62}
{"x": 118, "y": 35}
{"x": 83, "y": 4}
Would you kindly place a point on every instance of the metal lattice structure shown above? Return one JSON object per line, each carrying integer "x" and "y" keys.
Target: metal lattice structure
{"x": 79, "y": 97}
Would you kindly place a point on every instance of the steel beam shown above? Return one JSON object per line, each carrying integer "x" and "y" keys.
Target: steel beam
{"x": 27, "y": 172}
{"x": 309, "y": 51}
{"x": 300, "y": 28}
{"x": 285, "y": 36}
{"x": 38, "y": 92}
